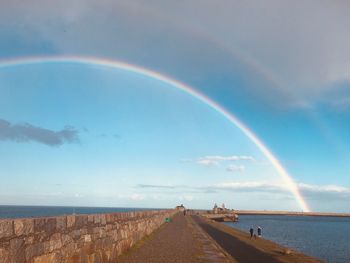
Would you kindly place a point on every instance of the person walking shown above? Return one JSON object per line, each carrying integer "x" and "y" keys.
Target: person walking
{"x": 259, "y": 231}
{"x": 251, "y": 231}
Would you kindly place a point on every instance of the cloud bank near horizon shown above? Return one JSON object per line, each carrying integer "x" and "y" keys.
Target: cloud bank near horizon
{"x": 316, "y": 192}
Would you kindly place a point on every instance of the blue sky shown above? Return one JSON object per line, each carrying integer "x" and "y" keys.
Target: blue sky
{"x": 73, "y": 134}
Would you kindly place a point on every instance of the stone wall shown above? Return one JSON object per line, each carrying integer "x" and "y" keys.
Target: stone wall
{"x": 75, "y": 238}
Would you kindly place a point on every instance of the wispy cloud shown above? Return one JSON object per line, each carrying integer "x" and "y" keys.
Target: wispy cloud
{"x": 235, "y": 168}
{"x": 325, "y": 192}
{"x": 248, "y": 186}
{"x": 137, "y": 197}
{"x": 25, "y": 132}
{"x": 208, "y": 162}
{"x": 316, "y": 192}
{"x": 216, "y": 160}
{"x": 187, "y": 198}
{"x": 157, "y": 186}
{"x": 228, "y": 158}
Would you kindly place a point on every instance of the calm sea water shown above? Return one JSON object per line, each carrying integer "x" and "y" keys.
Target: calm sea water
{"x": 327, "y": 238}
{"x": 37, "y": 211}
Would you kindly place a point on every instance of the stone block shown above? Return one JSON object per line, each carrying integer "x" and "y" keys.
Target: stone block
{"x": 87, "y": 238}
{"x": 99, "y": 232}
{"x": 97, "y": 219}
{"x": 103, "y": 219}
{"x": 83, "y": 231}
{"x": 49, "y": 258}
{"x": 69, "y": 249}
{"x": 46, "y": 225}
{"x": 61, "y": 223}
{"x": 109, "y": 218}
{"x": 90, "y": 218}
{"x": 4, "y": 256}
{"x": 75, "y": 234}
{"x": 6, "y": 228}
{"x": 66, "y": 239}
{"x": 17, "y": 252}
{"x": 74, "y": 258}
{"x": 54, "y": 243}
{"x": 29, "y": 240}
{"x": 70, "y": 221}
{"x": 34, "y": 250}
{"x": 81, "y": 221}
{"x": 23, "y": 226}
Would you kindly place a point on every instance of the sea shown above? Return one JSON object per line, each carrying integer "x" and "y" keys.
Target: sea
{"x": 326, "y": 238}
{"x": 7, "y": 211}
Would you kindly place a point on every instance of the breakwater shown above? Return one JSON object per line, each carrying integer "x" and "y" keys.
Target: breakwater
{"x": 290, "y": 213}
{"x": 75, "y": 238}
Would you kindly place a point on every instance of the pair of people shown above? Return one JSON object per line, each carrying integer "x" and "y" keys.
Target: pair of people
{"x": 251, "y": 231}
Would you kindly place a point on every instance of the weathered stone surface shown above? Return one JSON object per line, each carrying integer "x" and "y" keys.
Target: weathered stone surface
{"x": 75, "y": 238}
{"x": 17, "y": 251}
{"x": 61, "y": 223}
{"x": 90, "y": 218}
{"x": 66, "y": 239}
{"x": 23, "y": 226}
{"x": 97, "y": 219}
{"x": 103, "y": 219}
{"x": 34, "y": 251}
{"x": 87, "y": 238}
{"x": 70, "y": 221}
{"x": 49, "y": 258}
{"x": 6, "y": 228}
{"x": 28, "y": 240}
{"x": 75, "y": 234}
{"x": 4, "y": 256}
{"x": 69, "y": 249}
{"x": 54, "y": 243}
{"x": 45, "y": 225}
{"x": 81, "y": 220}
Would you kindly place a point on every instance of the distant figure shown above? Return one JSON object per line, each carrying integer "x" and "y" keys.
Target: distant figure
{"x": 251, "y": 231}
{"x": 184, "y": 212}
{"x": 259, "y": 231}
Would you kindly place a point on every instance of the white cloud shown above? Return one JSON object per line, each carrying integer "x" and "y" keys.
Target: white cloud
{"x": 137, "y": 197}
{"x": 228, "y": 158}
{"x": 324, "y": 188}
{"x": 309, "y": 191}
{"x": 187, "y": 198}
{"x": 249, "y": 186}
{"x": 215, "y": 160}
{"x": 208, "y": 162}
{"x": 315, "y": 192}
{"x": 235, "y": 168}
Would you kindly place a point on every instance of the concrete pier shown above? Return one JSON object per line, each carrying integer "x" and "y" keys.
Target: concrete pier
{"x": 194, "y": 238}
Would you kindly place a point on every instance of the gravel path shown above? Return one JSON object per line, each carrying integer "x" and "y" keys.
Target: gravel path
{"x": 178, "y": 241}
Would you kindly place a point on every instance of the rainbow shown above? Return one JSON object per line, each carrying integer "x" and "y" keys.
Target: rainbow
{"x": 181, "y": 86}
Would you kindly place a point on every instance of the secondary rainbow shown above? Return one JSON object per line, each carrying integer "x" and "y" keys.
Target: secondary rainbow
{"x": 179, "y": 85}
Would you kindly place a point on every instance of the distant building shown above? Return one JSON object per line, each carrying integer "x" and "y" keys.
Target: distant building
{"x": 220, "y": 210}
{"x": 180, "y": 208}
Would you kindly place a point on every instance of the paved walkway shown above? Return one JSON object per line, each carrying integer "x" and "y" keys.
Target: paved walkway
{"x": 181, "y": 240}
{"x": 239, "y": 250}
